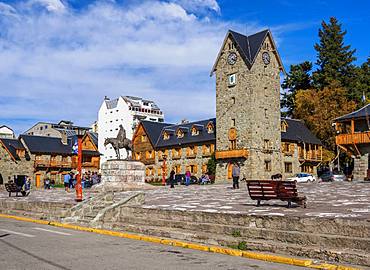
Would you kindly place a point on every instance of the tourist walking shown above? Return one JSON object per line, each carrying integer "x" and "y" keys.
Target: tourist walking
{"x": 187, "y": 177}
{"x": 67, "y": 179}
{"x": 172, "y": 178}
{"x": 236, "y": 175}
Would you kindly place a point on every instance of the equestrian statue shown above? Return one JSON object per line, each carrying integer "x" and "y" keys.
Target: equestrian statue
{"x": 120, "y": 142}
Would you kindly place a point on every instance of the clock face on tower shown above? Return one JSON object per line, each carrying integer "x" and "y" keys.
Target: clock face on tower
{"x": 266, "y": 58}
{"x": 231, "y": 59}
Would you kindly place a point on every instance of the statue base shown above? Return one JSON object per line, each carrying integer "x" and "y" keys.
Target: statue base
{"x": 122, "y": 175}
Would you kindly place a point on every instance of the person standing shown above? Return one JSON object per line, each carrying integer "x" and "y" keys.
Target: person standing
{"x": 236, "y": 175}
{"x": 67, "y": 178}
{"x": 172, "y": 178}
{"x": 187, "y": 177}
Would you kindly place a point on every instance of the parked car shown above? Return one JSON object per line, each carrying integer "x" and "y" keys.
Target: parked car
{"x": 332, "y": 176}
{"x": 302, "y": 178}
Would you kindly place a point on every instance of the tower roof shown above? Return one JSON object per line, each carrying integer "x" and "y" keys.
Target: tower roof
{"x": 249, "y": 47}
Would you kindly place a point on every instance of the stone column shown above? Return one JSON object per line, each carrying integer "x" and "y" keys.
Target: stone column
{"x": 360, "y": 167}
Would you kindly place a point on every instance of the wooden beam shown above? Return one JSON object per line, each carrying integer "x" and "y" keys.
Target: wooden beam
{"x": 352, "y": 126}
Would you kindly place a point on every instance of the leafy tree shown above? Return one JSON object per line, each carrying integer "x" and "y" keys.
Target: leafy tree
{"x": 334, "y": 59}
{"x": 318, "y": 108}
{"x": 298, "y": 78}
{"x": 360, "y": 84}
{"x": 211, "y": 165}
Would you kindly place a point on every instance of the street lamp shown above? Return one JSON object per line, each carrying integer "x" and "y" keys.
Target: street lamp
{"x": 80, "y": 133}
{"x": 164, "y": 169}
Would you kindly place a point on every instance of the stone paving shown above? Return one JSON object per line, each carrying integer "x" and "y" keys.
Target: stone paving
{"x": 336, "y": 200}
{"x": 331, "y": 200}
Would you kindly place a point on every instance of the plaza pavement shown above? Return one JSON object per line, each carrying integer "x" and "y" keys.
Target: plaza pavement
{"x": 330, "y": 200}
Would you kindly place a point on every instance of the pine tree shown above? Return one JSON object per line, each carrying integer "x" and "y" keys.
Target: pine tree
{"x": 334, "y": 59}
{"x": 298, "y": 78}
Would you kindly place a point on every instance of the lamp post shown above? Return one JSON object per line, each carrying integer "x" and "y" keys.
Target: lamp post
{"x": 80, "y": 133}
{"x": 164, "y": 169}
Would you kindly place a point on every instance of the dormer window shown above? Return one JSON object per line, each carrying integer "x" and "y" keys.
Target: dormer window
{"x": 284, "y": 126}
{"x": 194, "y": 131}
{"x": 180, "y": 134}
{"x": 166, "y": 136}
{"x": 210, "y": 128}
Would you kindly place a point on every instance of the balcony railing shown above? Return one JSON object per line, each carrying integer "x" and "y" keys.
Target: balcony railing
{"x": 41, "y": 163}
{"x": 53, "y": 163}
{"x": 148, "y": 161}
{"x": 354, "y": 138}
{"x": 236, "y": 153}
{"x": 316, "y": 156}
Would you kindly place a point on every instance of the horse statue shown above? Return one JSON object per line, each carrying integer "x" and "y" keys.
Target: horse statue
{"x": 120, "y": 142}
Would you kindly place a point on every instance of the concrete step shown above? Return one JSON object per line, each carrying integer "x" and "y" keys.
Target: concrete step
{"x": 295, "y": 237}
{"x": 314, "y": 251}
{"x": 333, "y": 226}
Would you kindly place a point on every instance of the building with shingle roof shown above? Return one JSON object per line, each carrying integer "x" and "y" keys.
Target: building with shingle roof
{"x": 188, "y": 146}
{"x": 14, "y": 160}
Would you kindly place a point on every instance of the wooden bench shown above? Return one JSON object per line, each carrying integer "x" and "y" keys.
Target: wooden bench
{"x": 264, "y": 190}
{"x": 13, "y": 188}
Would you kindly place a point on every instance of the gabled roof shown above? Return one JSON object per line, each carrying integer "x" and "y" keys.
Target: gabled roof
{"x": 46, "y": 145}
{"x": 94, "y": 138}
{"x": 364, "y": 112}
{"x": 297, "y": 131}
{"x": 153, "y": 130}
{"x": 5, "y": 126}
{"x": 12, "y": 145}
{"x": 249, "y": 47}
{"x": 188, "y": 138}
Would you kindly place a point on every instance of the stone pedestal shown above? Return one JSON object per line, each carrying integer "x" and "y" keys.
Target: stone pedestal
{"x": 122, "y": 175}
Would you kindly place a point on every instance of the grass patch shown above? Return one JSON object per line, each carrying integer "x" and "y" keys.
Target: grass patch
{"x": 241, "y": 246}
{"x": 236, "y": 233}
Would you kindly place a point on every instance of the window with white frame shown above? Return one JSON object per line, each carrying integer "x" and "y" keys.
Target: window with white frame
{"x": 232, "y": 79}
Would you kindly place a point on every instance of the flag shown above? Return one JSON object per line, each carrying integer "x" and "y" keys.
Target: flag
{"x": 363, "y": 96}
{"x": 75, "y": 148}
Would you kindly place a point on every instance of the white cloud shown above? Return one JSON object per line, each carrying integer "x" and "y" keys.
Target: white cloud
{"x": 51, "y": 5}
{"x": 60, "y": 66}
{"x": 199, "y": 5}
{"x": 7, "y": 10}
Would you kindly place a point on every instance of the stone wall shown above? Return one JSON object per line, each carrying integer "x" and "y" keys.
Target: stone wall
{"x": 254, "y": 103}
{"x": 10, "y": 168}
{"x": 360, "y": 167}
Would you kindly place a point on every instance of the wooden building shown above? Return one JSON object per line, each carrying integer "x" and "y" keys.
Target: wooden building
{"x": 189, "y": 146}
{"x": 353, "y": 137}
{"x": 50, "y": 158}
{"x": 186, "y": 146}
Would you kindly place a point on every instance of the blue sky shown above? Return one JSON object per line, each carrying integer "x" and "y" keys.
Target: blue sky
{"x": 60, "y": 58}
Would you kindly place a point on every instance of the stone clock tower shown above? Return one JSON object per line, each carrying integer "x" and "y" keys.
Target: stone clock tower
{"x": 248, "y": 106}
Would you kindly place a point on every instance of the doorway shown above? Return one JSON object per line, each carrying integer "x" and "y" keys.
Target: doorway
{"x": 38, "y": 180}
{"x": 230, "y": 171}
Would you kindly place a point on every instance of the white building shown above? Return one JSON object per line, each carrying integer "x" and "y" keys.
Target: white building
{"x": 6, "y": 132}
{"x": 126, "y": 111}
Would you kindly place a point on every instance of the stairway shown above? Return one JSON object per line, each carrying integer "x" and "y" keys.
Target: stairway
{"x": 336, "y": 240}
